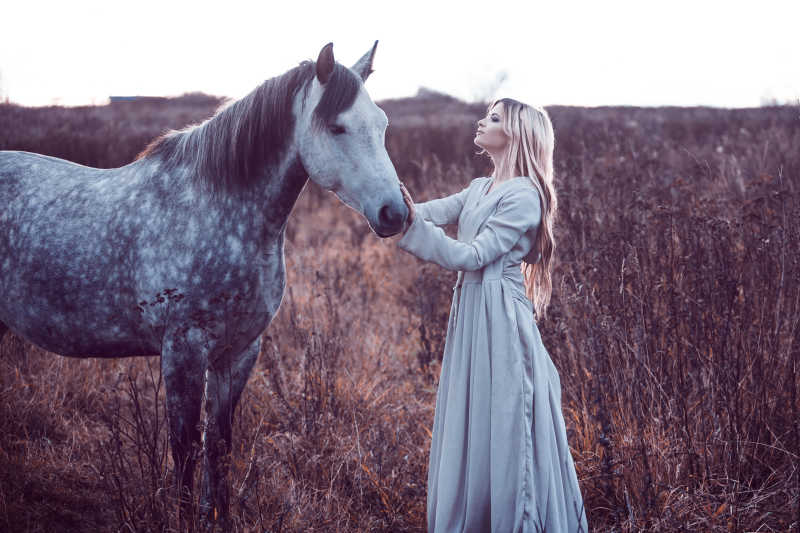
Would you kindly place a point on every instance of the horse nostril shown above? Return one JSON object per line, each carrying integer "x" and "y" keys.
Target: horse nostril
{"x": 390, "y": 218}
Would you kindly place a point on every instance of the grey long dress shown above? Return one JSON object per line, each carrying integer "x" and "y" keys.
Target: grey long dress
{"x": 499, "y": 457}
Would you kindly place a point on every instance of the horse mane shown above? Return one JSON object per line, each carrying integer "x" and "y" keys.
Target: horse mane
{"x": 245, "y": 137}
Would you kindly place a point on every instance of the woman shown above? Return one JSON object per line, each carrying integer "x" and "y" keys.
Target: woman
{"x": 499, "y": 456}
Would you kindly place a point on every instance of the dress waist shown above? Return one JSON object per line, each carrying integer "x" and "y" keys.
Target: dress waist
{"x": 512, "y": 276}
{"x": 511, "y": 273}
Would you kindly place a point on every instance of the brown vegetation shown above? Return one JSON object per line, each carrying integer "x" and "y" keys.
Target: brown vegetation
{"x": 674, "y": 326}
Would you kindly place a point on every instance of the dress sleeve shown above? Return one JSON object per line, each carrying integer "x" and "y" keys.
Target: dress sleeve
{"x": 445, "y": 210}
{"x": 517, "y": 212}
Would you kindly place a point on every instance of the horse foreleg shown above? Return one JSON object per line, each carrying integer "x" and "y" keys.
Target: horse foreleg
{"x": 183, "y": 369}
{"x": 224, "y": 386}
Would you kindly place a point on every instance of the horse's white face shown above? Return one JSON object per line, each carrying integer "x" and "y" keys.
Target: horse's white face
{"x": 348, "y": 156}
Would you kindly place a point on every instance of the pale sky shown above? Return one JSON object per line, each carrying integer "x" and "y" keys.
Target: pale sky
{"x": 602, "y": 52}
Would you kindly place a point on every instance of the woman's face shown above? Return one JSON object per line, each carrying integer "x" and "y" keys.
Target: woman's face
{"x": 490, "y": 134}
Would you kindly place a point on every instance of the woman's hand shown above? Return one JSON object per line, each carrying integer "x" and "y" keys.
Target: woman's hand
{"x": 409, "y": 203}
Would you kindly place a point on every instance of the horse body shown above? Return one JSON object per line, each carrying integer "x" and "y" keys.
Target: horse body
{"x": 90, "y": 250}
{"x": 180, "y": 253}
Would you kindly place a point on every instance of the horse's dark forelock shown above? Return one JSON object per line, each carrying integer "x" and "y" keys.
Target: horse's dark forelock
{"x": 340, "y": 93}
{"x": 243, "y": 139}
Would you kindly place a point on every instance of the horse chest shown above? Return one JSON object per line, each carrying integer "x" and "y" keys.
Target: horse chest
{"x": 272, "y": 272}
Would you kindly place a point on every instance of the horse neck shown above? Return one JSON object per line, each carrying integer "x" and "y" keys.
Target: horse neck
{"x": 262, "y": 208}
{"x": 260, "y": 202}
{"x": 276, "y": 193}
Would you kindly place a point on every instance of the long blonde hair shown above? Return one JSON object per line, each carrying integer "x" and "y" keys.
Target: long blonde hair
{"x": 530, "y": 154}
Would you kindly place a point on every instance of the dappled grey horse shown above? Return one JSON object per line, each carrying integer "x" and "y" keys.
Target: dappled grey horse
{"x": 180, "y": 253}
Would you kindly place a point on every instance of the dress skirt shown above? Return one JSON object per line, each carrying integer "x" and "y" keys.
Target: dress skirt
{"x": 499, "y": 457}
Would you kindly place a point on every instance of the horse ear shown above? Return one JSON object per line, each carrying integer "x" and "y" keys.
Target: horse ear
{"x": 363, "y": 66}
{"x": 325, "y": 63}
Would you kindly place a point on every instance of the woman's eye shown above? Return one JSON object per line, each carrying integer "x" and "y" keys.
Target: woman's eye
{"x": 495, "y": 119}
{"x": 336, "y": 129}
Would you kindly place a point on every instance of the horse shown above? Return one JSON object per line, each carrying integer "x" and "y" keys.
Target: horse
{"x": 180, "y": 253}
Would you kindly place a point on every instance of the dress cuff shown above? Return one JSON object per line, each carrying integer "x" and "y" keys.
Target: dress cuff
{"x": 413, "y": 237}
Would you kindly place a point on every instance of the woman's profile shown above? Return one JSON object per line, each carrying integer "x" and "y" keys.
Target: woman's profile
{"x": 499, "y": 458}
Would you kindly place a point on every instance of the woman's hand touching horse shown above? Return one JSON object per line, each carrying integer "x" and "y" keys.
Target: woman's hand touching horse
{"x": 409, "y": 203}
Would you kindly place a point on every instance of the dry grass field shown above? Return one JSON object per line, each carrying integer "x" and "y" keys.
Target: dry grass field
{"x": 674, "y": 327}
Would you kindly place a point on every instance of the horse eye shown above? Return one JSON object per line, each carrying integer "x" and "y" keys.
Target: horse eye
{"x": 336, "y": 129}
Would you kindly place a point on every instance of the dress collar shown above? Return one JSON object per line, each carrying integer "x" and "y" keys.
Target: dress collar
{"x": 484, "y": 193}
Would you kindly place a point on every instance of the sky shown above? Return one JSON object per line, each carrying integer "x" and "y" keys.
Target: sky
{"x": 557, "y": 52}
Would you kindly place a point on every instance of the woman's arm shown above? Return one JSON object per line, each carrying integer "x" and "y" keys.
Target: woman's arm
{"x": 517, "y": 212}
{"x": 445, "y": 210}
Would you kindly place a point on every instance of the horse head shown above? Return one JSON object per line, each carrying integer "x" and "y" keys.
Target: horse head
{"x": 340, "y": 140}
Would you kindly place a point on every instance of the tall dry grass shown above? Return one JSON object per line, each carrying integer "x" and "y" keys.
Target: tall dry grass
{"x": 674, "y": 328}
